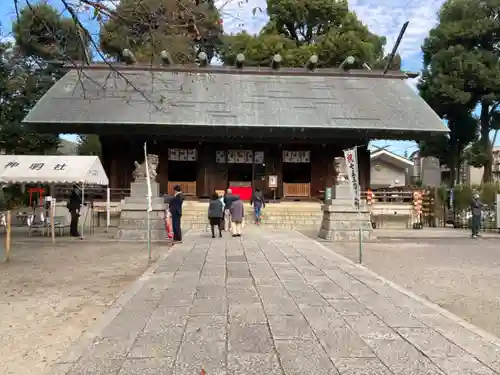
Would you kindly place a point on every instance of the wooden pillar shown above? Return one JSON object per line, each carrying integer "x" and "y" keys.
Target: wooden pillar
{"x": 106, "y": 154}
{"x": 114, "y": 155}
{"x": 364, "y": 167}
{"x": 163, "y": 147}
{"x": 206, "y": 158}
{"x": 319, "y": 167}
{"x": 331, "y": 153}
{"x": 278, "y": 159}
{"x": 272, "y": 157}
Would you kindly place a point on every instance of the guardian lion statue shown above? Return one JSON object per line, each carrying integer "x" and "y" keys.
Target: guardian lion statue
{"x": 140, "y": 169}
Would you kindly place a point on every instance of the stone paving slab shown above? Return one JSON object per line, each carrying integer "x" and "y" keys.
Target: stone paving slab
{"x": 275, "y": 303}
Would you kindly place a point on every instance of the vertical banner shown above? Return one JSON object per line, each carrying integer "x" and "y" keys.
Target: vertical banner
{"x": 351, "y": 161}
{"x": 148, "y": 180}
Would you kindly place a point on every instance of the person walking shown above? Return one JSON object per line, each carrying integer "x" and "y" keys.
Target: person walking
{"x": 229, "y": 198}
{"x": 74, "y": 206}
{"x": 237, "y": 212}
{"x": 258, "y": 204}
{"x": 476, "y": 207}
{"x": 175, "y": 208}
{"x": 215, "y": 214}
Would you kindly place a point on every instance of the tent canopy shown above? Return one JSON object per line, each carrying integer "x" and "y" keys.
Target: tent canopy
{"x": 58, "y": 169}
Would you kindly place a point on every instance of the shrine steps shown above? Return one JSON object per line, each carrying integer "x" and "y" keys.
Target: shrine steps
{"x": 284, "y": 215}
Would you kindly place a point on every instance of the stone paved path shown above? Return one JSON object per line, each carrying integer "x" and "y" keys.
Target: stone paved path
{"x": 274, "y": 303}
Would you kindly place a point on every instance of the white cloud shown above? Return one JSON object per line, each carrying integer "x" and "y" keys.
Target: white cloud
{"x": 238, "y": 15}
{"x": 386, "y": 17}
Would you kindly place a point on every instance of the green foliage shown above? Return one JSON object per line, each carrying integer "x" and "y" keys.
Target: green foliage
{"x": 462, "y": 197}
{"x": 259, "y": 50}
{"x": 42, "y": 32}
{"x": 299, "y": 29}
{"x": 489, "y": 193}
{"x": 461, "y": 69}
{"x": 89, "y": 144}
{"x": 22, "y": 84}
{"x": 305, "y": 20}
{"x": 150, "y": 26}
{"x": 476, "y": 155}
{"x": 442, "y": 194}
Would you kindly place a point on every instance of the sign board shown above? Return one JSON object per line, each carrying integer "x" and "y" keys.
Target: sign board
{"x": 296, "y": 156}
{"x": 273, "y": 181}
{"x": 430, "y": 172}
{"x": 182, "y": 154}
{"x": 351, "y": 161}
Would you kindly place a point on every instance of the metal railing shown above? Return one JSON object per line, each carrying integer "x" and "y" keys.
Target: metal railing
{"x": 95, "y": 193}
{"x": 463, "y": 219}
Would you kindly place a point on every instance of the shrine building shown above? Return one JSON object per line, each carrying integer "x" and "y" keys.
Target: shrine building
{"x": 275, "y": 128}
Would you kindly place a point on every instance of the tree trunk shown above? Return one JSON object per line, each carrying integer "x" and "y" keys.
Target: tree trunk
{"x": 460, "y": 160}
{"x": 455, "y": 156}
{"x": 485, "y": 141}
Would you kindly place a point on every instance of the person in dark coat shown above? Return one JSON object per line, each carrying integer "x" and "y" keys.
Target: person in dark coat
{"x": 237, "y": 216}
{"x": 476, "y": 207}
{"x": 215, "y": 214}
{"x": 175, "y": 207}
{"x": 74, "y": 206}
{"x": 258, "y": 204}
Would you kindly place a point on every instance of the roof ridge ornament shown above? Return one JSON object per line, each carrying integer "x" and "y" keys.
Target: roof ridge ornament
{"x": 128, "y": 57}
{"x": 165, "y": 57}
{"x": 240, "y": 59}
{"x": 276, "y": 61}
{"x": 202, "y": 59}
{"x": 312, "y": 63}
{"x": 350, "y": 60}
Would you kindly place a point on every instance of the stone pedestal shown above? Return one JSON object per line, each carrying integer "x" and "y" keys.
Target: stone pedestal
{"x": 133, "y": 217}
{"x": 341, "y": 221}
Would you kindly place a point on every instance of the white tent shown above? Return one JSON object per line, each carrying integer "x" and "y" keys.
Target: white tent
{"x": 55, "y": 169}
{"x": 52, "y": 169}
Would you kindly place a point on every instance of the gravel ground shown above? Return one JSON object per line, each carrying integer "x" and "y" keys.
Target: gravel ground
{"x": 460, "y": 275}
{"x": 50, "y": 294}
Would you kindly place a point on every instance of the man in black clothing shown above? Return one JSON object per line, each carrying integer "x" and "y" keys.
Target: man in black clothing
{"x": 175, "y": 208}
{"x": 74, "y": 205}
{"x": 476, "y": 207}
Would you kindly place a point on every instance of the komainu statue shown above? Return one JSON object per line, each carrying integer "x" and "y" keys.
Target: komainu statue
{"x": 140, "y": 169}
{"x": 340, "y": 170}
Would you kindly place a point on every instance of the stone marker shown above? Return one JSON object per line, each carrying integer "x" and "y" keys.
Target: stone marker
{"x": 133, "y": 217}
{"x": 341, "y": 220}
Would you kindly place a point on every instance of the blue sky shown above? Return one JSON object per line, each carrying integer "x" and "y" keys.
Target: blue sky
{"x": 383, "y": 17}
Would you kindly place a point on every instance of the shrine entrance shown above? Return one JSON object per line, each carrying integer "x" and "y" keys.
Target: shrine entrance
{"x": 296, "y": 171}
{"x": 182, "y": 170}
{"x": 242, "y": 170}
{"x": 239, "y": 172}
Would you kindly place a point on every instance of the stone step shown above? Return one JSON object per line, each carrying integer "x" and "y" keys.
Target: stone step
{"x": 274, "y": 226}
{"x": 279, "y": 216}
{"x": 265, "y": 217}
{"x": 265, "y": 212}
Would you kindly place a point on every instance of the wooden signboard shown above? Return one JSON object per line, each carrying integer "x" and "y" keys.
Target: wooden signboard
{"x": 273, "y": 182}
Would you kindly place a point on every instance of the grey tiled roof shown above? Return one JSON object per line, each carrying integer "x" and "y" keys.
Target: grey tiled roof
{"x": 184, "y": 98}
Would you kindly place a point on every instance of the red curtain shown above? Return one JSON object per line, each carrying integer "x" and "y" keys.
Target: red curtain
{"x": 245, "y": 192}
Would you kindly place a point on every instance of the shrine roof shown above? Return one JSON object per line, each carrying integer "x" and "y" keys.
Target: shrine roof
{"x": 231, "y": 97}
